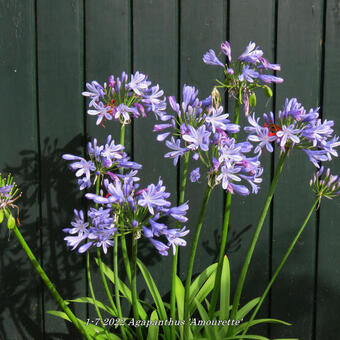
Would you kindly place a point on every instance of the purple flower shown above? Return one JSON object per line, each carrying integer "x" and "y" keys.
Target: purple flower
{"x": 101, "y": 111}
{"x": 216, "y": 119}
{"x": 197, "y": 138}
{"x": 174, "y": 237}
{"x": 288, "y": 133}
{"x": 211, "y": 59}
{"x": 138, "y": 83}
{"x": 195, "y": 175}
{"x": 248, "y": 74}
{"x": 95, "y": 92}
{"x": 263, "y": 138}
{"x": 154, "y": 196}
{"x": 226, "y": 49}
{"x": 179, "y": 212}
{"x": 251, "y": 54}
{"x": 177, "y": 149}
{"x": 266, "y": 78}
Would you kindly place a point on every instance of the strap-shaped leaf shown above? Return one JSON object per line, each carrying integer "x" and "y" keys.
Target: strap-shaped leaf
{"x": 244, "y": 325}
{"x": 155, "y": 295}
{"x": 124, "y": 289}
{"x": 153, "y": 330}
{"x": 98, "y": 303}
{"x": 247, "y": 308}
{"x": 207, "y": 287}
{"x": 201, "y": 279}
{"x": 225, "y": 290}
{"x": 95, "y": 331}
{"x": 211, "y": 331}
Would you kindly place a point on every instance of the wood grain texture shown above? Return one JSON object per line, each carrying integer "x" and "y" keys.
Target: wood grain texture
{"x": 328, "y": 275}
{"x": 155, "y": 53}
{"x": 245, "y": 27}
{"x": 60, "y": 74}
{"x": 299, "y": 52}
{"x": 20, "y": 311}
{"x": 203, "y": 27}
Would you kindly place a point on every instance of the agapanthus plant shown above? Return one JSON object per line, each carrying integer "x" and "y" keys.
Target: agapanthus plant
{"x": 201, "y": 127}
{"x": 123, "y": 208}
{"x": 245, "y": 74}
{"x": 122, "y": 97}
{"x": 106, "y": 159}
{"x": 295, "y": 128}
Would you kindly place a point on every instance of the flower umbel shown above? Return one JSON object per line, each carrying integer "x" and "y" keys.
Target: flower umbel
{"x": 324, "y": 184}
{"x": 122, "y": 98}
{"x": 244, "y": 75}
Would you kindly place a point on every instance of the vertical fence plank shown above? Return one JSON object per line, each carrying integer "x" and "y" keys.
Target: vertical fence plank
{"x": 244, "y": 27}
{"x": 108, "y": 55}
{"x": 328, "y": 276}
{"x": 299, "y": 52}
{"x": 155, "y": 53}
{"x": 203, "y": 27}
{"x": 105, "y": 56}
{"x": 20, "y": 312}
{"x": 61, "y": 130}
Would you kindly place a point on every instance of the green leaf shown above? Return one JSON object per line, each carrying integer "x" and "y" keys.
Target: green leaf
{"x": 207, "y": 287}
{"x": 153, "y": 330}
{"x": 98, "y": 303}
{"x": 268, "y": 91}
{"x": 225, "y": 293}
{"x": 180, "y": 298}
{"x": 247, "y": 308}
{"x": 244, "y": 325}
{"x": 200, "y": 279}
{"x": 124, "y": 289}
{"x": 1, "y": 215}
{"x": 211, "y": 331}
{"x": 253, "y": 337}
{"x": 155, "y": 295}
{"x": 10, "y": 222}
{"x": 225, "y": 290}
{"x": 252, "y": 100}
{"x": 95, "y": 331}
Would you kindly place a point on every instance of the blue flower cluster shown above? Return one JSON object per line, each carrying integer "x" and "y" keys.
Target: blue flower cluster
{"x": 104, "y": 159}
{"x": 245, "y": 74}
{"x": 123, "y": 207}
{"x": 202, "y": 128}
{"x": 121, "y": 98}
{"x": 324, "y": 184}
{"x": 295, "y": 128}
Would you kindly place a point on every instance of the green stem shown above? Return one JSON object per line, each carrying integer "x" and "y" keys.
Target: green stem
{"x": 175, "y": 258}
{"x": 122, "y": 239}
{"x": 217, "y": 283}
{"x": 191, "y": 261}
{"x": 115, "y": 273}
{"x": 283, "y": 261}
{"x": 122, "y": 135}
{"x": 224, "y": 238}
{"x": 134, "y": 285}
{"x": 251, "y": 248}
{"x": 92, "y": 293}
{"x": 49, "y": 284}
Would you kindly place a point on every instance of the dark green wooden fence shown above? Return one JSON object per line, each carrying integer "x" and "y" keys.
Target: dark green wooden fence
{"x": 49, "y": 48}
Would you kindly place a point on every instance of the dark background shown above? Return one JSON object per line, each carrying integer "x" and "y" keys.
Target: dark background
{"x": 49, "y": 49}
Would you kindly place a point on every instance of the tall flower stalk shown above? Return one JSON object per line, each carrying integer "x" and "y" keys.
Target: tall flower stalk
{"x": 283, "y": 261}
{"x": 9, "y": 193}
{"x": 175, "y": 258}
{"x": 192, "y": 259}
{"x": 49, "y": 284}
{"x": 256, "y": 235}
{"x": 224, "y": 237}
